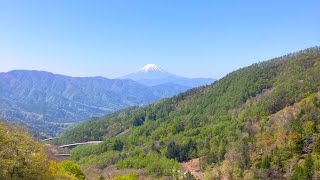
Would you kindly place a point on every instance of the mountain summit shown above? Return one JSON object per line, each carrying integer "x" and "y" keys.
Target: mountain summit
{"x": 149, "y": 71}
{"x": 152, "y": 75}
{"x": 150, "y": 68}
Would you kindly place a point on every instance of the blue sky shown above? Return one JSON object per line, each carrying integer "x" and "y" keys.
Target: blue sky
{"x": 186, "y": 37}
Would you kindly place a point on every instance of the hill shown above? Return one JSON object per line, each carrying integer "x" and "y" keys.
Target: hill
{"x": 259, "y": 122}
{"x": 22, "y": 158}
{"x": 48, "y": 102}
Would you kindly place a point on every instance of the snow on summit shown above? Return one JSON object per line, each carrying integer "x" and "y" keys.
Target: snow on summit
{"x": 151, "y": 68}
{"x": 149, "y": 71}
{"x": 152, "y": 75}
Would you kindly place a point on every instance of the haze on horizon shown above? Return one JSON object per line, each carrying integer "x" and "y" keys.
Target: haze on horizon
{"x": 187, "y": 38}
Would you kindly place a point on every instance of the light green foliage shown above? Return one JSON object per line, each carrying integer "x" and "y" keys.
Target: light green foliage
{"x": 255, "y": 122}
{"x": 127, "y": 177}
{"x": 73, "y": 168}
{"x": 21, "y": 158}
{"x": 101, "y": 160}
{"x": 152, "y": 162}
{"x": 304, "y": 171}
{"x": 309, "y": 127}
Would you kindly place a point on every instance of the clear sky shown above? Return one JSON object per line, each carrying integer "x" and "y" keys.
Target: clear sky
{"x": 192, "y": 38}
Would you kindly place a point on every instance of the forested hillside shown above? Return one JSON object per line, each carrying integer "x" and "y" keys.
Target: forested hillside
{"x": 259, "y": 122}
{"x": 47, "y": 102}
{"x": 22, "y": 158}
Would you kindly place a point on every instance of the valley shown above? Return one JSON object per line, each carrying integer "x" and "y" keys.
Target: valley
{"x": 159, "y": 90}
{"x": 257, "y": 122}
{"x": 49, "y": 103}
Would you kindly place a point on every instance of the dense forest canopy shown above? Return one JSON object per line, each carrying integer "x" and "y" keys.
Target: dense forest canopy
{"x": 258, "y": 122}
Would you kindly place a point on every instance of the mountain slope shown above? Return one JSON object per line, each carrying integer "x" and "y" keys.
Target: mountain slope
{"x": 237, "y": 126}
{"x": 23, "y": 158}
{"x": 152, "y": 75}
{"x": 48, "y": 102}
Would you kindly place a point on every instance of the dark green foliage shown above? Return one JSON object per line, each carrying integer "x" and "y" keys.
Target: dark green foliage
{"x": 316, "y": 102}
{"x": 309, "y": 167}
{"x": 177, "y": 127}
{"x": 172, "y": 150}
{"x": 118, "y": 145}
{"x": 182, "y": 152}
{"x": 265, "y": 162}
{"x": 139, "y": 117}
{"x": 255, "y": 122}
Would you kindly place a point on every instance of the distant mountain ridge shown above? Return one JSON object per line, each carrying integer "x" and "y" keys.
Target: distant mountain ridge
{"x": 152, "y": 75}
{"x": 49, "y": 102}
{"x": 46, "y": 101}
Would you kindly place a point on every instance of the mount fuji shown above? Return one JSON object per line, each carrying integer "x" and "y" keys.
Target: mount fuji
{"x": 152, "y": 75}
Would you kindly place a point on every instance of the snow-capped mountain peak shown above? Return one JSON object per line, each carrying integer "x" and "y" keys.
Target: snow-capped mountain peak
{"x": 150, "y": 68}
{"x": 152, "y": 75}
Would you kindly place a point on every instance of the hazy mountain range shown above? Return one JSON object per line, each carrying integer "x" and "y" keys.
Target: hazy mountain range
{"x": 47, "y": 101}
{"x": 152, "y": 75}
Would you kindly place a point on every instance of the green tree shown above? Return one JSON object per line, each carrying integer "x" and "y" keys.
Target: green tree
{"x": 298, "y": 173}
{"x": 118, "y": 145}
{"x": 309, "y": 167}
{"x": 172, "y": 150}
{"x": 73, "y": 168}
